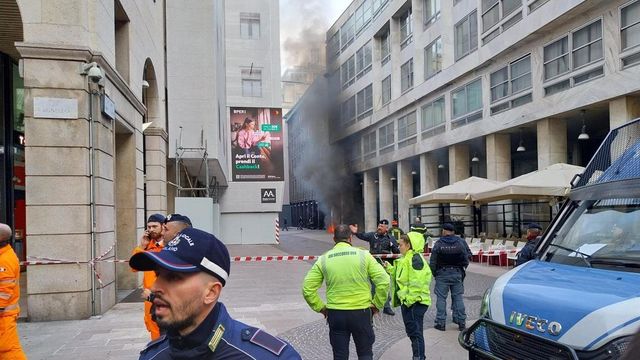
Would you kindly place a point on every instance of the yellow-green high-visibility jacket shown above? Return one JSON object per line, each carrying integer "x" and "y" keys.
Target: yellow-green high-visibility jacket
{"x": 411, "y": 275}
{"x": 347, "y": 271}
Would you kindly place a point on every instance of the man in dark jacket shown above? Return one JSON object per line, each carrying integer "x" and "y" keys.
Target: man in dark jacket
{"x": 380, "y": 242}
{"x": 528, "y": 250}
{"x": 192, "y": 269}
{"x": 449, "y": 259}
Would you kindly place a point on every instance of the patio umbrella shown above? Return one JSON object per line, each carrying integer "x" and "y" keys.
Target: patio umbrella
{"x": 459, "y": 192}
{"x": 552, "y": 181}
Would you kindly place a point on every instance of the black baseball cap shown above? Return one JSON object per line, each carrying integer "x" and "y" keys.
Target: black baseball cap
{"x": 448, "y": 227}
{"x": 156, "y": 218}
{"x": 192, "y": 250}
{"x": 534, "y": 226}
{"x": 178, "y": 217}
{"x": 384, "y": 222}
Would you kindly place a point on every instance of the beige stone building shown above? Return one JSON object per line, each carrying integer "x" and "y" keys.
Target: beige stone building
{"x": 433, "y": 91}
{"x": 83, "y": 143}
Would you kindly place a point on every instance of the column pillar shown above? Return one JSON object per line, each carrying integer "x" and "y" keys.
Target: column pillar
{"x": 498, "y": 157}
{"x": 623, "y": 110}
{"x": 498, "y": 168}
{"x": 429, "y": 182}
{"x": 385, "y": 187}
{"x": 458, "y": 162}
{"x": 459, "y": 169}
{"x": 369, "y": 193}
{"x": 552, "y": 142}
{"x": 405, "y": 192}
{"x": 156, "y": 170}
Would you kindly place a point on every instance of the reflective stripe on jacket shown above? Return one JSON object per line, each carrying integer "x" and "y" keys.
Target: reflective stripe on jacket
{"x": 347, "y": 271}
{"x": 9, "y": 282}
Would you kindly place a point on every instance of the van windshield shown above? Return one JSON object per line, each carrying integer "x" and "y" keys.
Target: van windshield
{"x": 599, "y": 233}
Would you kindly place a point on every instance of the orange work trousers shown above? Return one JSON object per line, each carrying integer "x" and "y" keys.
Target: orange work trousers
{"x": 151, "y": 325}
{"x": 10, "y": 348}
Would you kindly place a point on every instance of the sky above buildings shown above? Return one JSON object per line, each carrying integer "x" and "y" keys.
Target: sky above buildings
{"x": 303, "y": 24}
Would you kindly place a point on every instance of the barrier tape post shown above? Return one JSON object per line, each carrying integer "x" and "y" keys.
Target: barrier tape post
{"x": 277, "y": 230}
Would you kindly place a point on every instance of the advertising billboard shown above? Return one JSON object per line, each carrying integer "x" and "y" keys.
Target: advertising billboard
{"x": 257, "y": 150}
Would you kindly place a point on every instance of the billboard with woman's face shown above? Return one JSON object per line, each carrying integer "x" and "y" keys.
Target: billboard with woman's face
{"x": 257, "y": 152}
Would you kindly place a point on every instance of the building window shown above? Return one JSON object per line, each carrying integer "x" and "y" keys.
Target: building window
{"x": 349, "y": 111}
{"x": 364, "y": 102}
{"x": 495, "y": 10}
{"x": 251, "y": 83}
{"x": 511, "y": 79}
{"x": 386, "y": 90}
{"x": 406, "y": 73}
{"x": 587, "y": 44}
{"x": 121, "y": 37}
{"x": 369, "y": 145}
{"x": 348, "y": 70}
{"x": 333, "y": 46}
{"x": 433, "y": 58}
{"x": 630, "y": 25}
{"x": 431, "y": 11}
{"x": 363, "y": 15}
{"x": 407, "y": 129}
{"x": 466, "y": 35}
{"x": 467, "y": 103}
{"x": 250, "y": 26}
{"x": 406, "y": 29}
{"x": 347, "y": 33}
{"x": 586, "y": 48}
{"x": 363, "y": 60}
{"x": 385, "y": 47}
{"x": 433, "y": 118}
{"x": 385, "y": 137}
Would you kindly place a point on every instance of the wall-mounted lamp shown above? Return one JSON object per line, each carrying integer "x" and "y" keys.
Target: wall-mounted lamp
{"x": 583, "y": 134}
{"x": 521, "y": 147}
{"x": 361, "y": 183}
{"x": 145, "y": 84}
{"x": 440, "y": 166}
{"x": 413, "y": 172}
{"x": 392, "y": 178}
{"x": 475, "y": 158}
{"x": 375, "y": 181}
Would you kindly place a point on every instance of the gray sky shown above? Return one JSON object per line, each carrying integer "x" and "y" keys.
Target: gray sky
{"x": 303, "y": 16}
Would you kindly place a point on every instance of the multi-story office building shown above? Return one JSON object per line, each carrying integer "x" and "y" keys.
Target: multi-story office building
{"x": 224, "y": 108}
{"x": 91, "y": 125}
{"x": 431, "y": 92}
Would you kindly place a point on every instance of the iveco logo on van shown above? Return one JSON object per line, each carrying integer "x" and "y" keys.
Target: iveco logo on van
{"x": 531, "y": 322}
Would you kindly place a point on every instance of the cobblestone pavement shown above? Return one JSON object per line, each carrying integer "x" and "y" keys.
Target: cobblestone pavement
{"x": 267, "y": 295}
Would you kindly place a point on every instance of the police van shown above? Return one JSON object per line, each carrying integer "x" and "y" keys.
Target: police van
{"x": 580, "y": 297}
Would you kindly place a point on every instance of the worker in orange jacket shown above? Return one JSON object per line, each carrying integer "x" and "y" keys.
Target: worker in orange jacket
{"x": 10, "y": 348}
{"x": 151, "y": 241}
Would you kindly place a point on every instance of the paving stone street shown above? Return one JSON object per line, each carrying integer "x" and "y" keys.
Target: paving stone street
{"x": 263, "y": 294}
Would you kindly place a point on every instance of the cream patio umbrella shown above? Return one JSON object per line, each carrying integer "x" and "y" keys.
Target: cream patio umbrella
{"x": 550, "y": 182}
{"x": 460, "y": 192}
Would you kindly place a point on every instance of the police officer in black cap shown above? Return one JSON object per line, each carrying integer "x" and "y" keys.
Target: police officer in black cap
{"x": 192, "y": 269}
{"x": 528, "y": 250}
{"x": 380, "y": 242}
{"x": 449, "y": 259}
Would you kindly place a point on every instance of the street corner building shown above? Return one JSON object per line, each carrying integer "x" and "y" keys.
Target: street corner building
{"x": 110, "y": 108}
{"x": 428, "y": 93}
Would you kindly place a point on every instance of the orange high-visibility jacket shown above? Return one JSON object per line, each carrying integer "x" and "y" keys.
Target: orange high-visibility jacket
{"x": 149, "y": 277}
{"x": 9, "y": 282}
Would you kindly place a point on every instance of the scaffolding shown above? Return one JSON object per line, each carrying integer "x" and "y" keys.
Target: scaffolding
{"x": 195, "y": 187}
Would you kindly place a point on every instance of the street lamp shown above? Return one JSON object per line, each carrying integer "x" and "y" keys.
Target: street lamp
{"x": 583, "y": 134}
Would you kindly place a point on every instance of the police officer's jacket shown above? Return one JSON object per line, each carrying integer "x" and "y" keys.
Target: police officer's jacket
{"x": 219, "y": 337}
{"x": 449, "y": 251}
{"x": 346, "y": 270}
{"x": 528, "y": 251}
{"x": 380, "y": 244}
{"x": 411, "y": 275}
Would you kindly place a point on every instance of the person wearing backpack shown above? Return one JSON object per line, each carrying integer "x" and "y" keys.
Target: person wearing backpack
{"x": 449, "y": 259}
